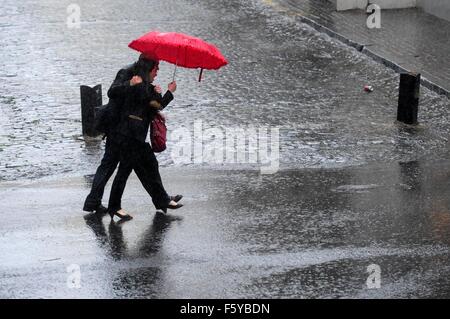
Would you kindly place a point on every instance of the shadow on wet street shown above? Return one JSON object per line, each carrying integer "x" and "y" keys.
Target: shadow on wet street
{"x": 113, "y": 240}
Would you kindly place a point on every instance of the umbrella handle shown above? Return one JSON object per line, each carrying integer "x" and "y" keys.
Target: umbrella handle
{"x": 200, "y": 76}
{"x": 176, "y": 65}
{"x": 174, "y": 72}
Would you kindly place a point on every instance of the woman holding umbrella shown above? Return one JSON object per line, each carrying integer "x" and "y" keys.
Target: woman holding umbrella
{"x": 141, "y": 101}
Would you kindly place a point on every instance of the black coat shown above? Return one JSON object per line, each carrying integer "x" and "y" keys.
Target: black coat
{"x": 136, "y": 113}
{"x": 111, "y": 117}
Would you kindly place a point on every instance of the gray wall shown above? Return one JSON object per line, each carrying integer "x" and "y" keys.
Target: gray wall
{"x": 384, "y": 4}
{"x": 440, "y": 8}
{"x": 395, "y": 4}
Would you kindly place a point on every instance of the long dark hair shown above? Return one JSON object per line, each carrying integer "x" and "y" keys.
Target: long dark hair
{"x": 143, "y": 66}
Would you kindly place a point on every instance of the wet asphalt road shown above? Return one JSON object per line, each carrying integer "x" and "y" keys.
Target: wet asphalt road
{"x": 297, "y": 234}
{"x": 354, "y": 188}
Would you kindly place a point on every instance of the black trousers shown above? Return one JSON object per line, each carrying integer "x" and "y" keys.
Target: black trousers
{"x": 107, "y": 166}
{"x": 138, "y": 156}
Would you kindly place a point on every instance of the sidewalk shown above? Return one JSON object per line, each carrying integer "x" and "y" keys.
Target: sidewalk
{"x": 409, "y": 39}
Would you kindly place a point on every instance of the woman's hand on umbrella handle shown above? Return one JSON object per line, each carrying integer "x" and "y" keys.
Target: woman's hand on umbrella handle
{"x": 158, "y": 89}
{"x": 135, "y": 80}
{"x": 172, "y": 86}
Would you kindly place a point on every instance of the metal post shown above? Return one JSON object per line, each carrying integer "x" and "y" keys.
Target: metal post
{"x": 90, "y": 98}
{"x": 408, "y": 100}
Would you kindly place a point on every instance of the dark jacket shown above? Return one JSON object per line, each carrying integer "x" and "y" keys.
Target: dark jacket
{"x": 134, "y": 101}
{"x": 112, "y": 115}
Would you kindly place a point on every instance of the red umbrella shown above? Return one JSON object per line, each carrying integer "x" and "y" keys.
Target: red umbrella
{"x": 180, "y": 49}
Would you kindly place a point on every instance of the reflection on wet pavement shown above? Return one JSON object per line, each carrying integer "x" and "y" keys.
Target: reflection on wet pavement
{"x": 307, "y": 233}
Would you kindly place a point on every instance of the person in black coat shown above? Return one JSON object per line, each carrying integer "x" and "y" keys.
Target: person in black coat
{"x": 141, "y": 101}
{"x": 110, "y": 160}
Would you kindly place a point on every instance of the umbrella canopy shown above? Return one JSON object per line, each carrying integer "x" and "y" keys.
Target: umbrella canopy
{"x": 179, "y": 49}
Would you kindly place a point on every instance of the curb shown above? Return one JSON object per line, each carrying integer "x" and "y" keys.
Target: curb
{"x": 374, "y": 56}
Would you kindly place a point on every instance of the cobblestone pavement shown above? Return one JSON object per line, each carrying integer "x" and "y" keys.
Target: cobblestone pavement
{"x": 411, "y": 38}
{"x": 281, "y": 74}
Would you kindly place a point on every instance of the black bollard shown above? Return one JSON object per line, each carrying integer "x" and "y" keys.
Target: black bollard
{"x": 90, "y": 98}
{"x": 408, "y": 99}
